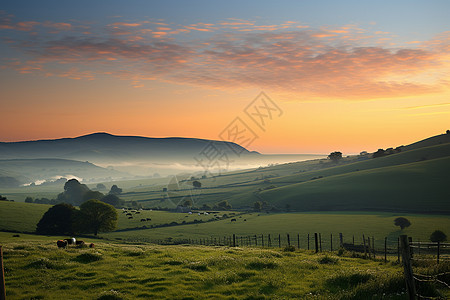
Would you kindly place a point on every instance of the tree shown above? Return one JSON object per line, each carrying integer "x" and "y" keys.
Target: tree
{"x": 257, "y": 205}
{"x": 335, "y": 156}
{"x": 96, "y": 216}
{"x": 197, "y": 184}
{"x": 206, "y": 207}
{"x": 402, "y": 222}
{"x": 57, "y": 220}
{"x": 115, "y": 190}
{"x": 113, "y": 200}
{"x": 101, "y": 187}
{"x": 28, "y": 200}
{"x": 438, "y": 236}
{"x": 379, "y": 153}
{"x": 223, "y": 205}
{"x": 73, "y": 192}
{"x": 92, "y": 195}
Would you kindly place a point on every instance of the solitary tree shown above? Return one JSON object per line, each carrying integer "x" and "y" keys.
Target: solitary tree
{"x": 335, "y": 156}
{"x": 28, "y": 200}
{"x": 197, "y": 184}
{"x": 96, "y": 216}
{"x": 402, "y": 222}
{"x": 438, "y": 236}
{"x": 57, "y": 220}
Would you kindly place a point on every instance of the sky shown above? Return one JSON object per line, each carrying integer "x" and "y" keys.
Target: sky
{"x": 275, "y": 77}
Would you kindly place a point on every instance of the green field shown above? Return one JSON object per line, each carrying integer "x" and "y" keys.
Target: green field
{"x": 36, "y": 269}
{"x": 23, "y": 217}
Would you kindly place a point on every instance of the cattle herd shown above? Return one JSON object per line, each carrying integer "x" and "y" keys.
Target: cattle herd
{"x": 72, "y": 241}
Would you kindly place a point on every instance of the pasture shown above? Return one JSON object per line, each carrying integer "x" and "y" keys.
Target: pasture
{"x": 36, "y": 269}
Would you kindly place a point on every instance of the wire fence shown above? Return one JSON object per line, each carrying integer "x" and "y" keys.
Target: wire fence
{"x": 417, "y": 254}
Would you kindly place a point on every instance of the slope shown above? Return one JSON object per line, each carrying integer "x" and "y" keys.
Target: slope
{"x": 414, "y": 187}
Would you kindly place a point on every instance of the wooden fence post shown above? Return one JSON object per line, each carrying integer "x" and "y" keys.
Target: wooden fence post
{"x": 298, "y": 241}
{"x": 373, "y": 247}
{"x": 364, "y": 243}
{"x": 320, "y": 242}
{"x": 256, "y": 240}
{"x": 438, "y": 251}
{"x": 262, "y": 239}
{"x": 385, "y": 249}
{"x": 288, "y": 240}
{"x": 341, "y": 240}
{"x": 269, "y": 242}
{"x": 316, "y": 242}
{"x": 234, "y": 240}
{"x": 331, "y": 242}
{"x": 353, "y": 240}
{"x": 368, "y": 246}
{"x": 398, "y": 249}
{"x": 407, "y": 268}
{"x": 308, "y": 241}
{"x": 2, "y": 277}
{"x": 279, "y": 240}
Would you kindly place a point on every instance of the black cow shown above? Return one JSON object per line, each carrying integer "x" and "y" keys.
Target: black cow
{"x": 61, "y": 244}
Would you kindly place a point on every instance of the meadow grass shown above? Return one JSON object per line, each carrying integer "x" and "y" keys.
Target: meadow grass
{"x": 36, "y": 269}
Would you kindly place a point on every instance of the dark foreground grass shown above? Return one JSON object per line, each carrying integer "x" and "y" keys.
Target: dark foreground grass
{"x": 36, "y": 269}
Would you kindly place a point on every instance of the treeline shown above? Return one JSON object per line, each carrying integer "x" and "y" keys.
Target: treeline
{"x": 76, "y": 194}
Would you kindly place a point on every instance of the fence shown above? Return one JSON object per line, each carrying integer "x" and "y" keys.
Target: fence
{"x": 415, "y": 252}
{"x": 369, "y": 247}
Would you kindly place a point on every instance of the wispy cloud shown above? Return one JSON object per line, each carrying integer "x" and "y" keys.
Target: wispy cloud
{"x": 344, "y": 62}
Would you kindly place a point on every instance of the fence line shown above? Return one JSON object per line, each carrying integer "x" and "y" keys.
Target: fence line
{"x": 412, "y": 278}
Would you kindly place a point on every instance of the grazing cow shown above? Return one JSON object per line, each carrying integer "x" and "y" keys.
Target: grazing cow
{"x": 61, "y": 244}
{"x": 143, "y": 220}
{"x": 91, "y": 245}
{"x": 148, "y": 219}
{"x": 138, "y": 212}
{"x": 130, "y": 218}
{"x": 129, "y": 214}
{"x": 233, "y": 220}
{"x": 245, "y": 220}
{"x": 71, "y": 241}
{"x": 80, "y": 244}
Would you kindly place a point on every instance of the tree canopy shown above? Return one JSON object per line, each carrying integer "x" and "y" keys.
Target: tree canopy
{"x": 438, "y": 236}
{"x": 96, "y": 216}
{"x": 113, "y": 200}
{"x": 197, "y": 184}
{"x": 115, "y": 190}
{"x": 335, "y": 156}
{"x": 57, "y": 220}
{"x": 73, "y": 192}
{"x": 402, "y": 222}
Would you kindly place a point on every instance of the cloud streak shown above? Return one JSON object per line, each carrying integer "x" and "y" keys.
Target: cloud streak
{"x": 343, "y": 62}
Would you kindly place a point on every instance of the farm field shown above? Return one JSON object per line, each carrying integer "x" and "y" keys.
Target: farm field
{"x": 23, "y": 217}
{"x": 36, "y": 269}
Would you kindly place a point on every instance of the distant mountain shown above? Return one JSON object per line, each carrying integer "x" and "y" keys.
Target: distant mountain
{"x": 105, "y": 148}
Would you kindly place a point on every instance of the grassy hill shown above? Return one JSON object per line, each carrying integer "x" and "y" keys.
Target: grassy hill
{"x": 413, "y": 187}
{"x": 36, "y": 269}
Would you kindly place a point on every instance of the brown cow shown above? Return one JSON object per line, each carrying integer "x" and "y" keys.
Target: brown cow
{"x": 61, "y": 244}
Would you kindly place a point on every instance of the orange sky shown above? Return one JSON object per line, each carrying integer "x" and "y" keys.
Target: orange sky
{"x": 347, "y": 87}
